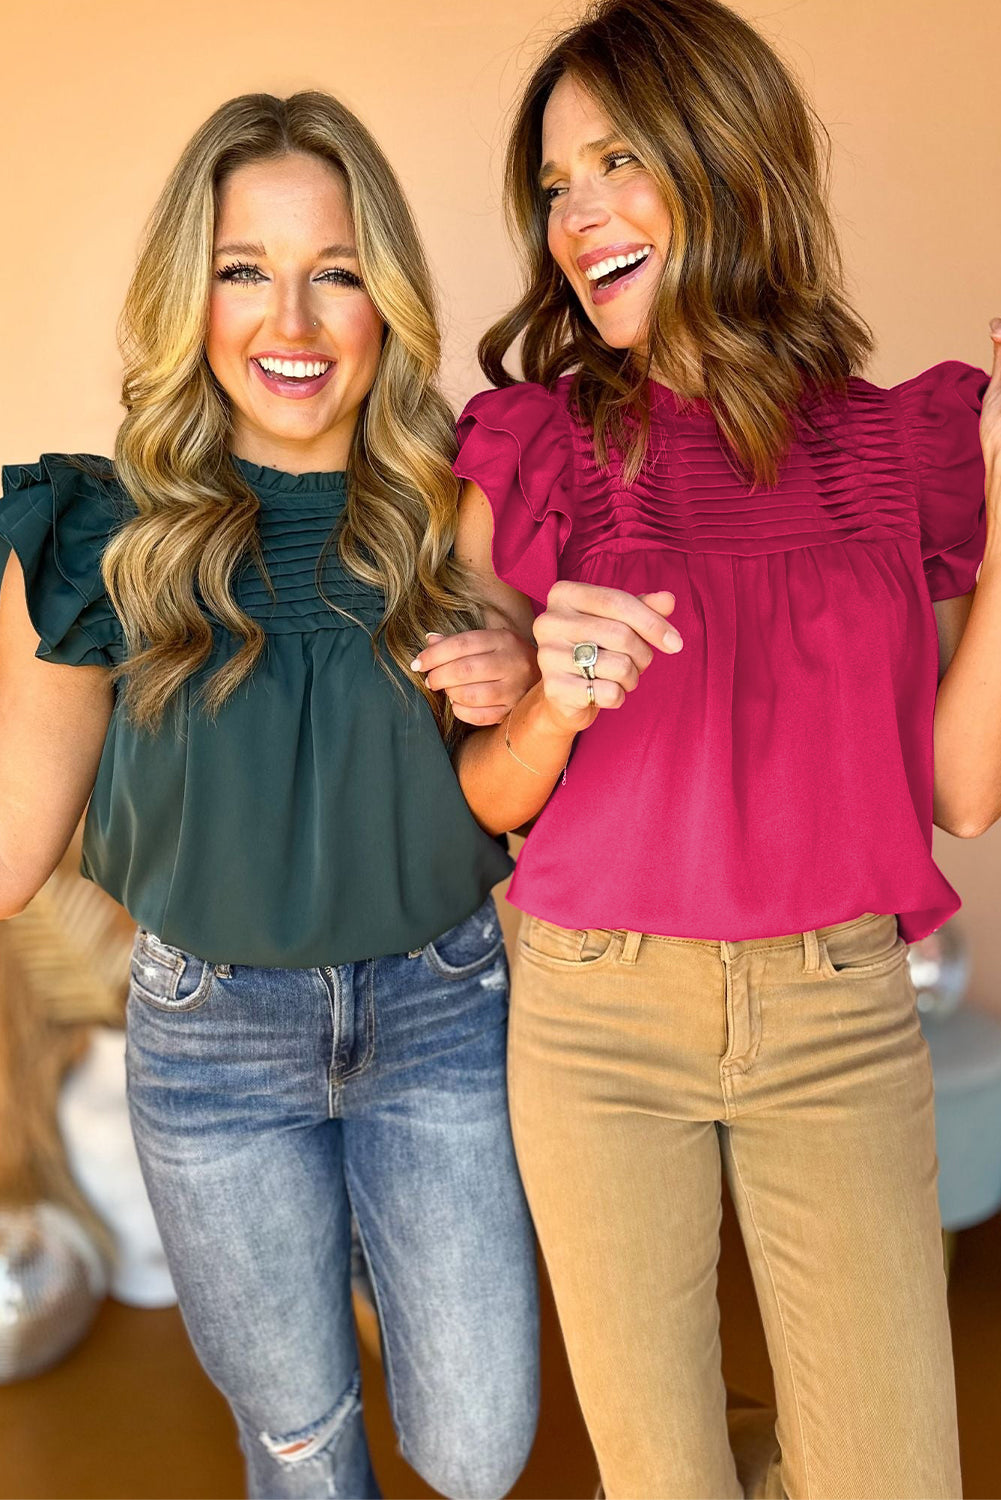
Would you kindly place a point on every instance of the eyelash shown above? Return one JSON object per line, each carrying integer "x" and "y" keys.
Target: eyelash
{"x": 608, "y": 161}
{"x": 339, "y": 275}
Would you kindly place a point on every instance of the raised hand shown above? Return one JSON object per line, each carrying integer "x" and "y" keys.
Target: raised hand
{"x": 627, "y": 629}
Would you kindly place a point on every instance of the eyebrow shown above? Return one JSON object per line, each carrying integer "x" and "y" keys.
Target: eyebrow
{"x": 591, "y": 148}
{"x": 329, "y": 252}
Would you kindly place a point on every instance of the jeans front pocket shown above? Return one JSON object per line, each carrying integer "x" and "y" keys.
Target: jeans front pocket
{"x": 468, "y": 946}
{"x": 864, "y": 949}
{"x": 550, "y": 946}
{"x": 166, "y": 978}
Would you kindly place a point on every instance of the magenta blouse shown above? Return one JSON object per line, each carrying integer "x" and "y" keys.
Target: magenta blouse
{"x": 776, "y": 774}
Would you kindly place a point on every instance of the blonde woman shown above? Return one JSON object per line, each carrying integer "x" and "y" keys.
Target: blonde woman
{"x": 211, "y": 640}
{"x": 754, "y": 581}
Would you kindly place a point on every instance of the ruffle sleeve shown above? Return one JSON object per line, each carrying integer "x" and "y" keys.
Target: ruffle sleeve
{"x": 517, "y": 445}
{"x": 57, "y": 516}
{"x": 941, "y": 410}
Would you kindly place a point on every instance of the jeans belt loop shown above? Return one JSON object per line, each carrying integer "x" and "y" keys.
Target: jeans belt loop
{"x": 631, "y": 942}
{"x": 811, "y": 953}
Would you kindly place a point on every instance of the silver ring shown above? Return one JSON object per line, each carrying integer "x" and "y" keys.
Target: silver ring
{"x": 585, "y": 658}
{"x": 590, "y": 692}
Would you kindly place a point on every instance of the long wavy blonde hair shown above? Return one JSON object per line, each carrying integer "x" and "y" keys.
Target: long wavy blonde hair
{"x": 750, "y": 311}
{"x": 173, "y": 566}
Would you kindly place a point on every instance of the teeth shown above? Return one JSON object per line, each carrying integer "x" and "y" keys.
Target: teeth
{"x": 297, "y": 369}
{"x": 616, "y": 262}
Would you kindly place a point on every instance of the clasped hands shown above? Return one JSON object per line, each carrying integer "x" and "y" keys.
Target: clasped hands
{"x": 485, "y": 673}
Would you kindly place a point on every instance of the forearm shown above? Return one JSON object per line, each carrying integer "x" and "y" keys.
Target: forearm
{"x": 503, "y": 789}
{"x": 12, "y": 893}
{"x": 30, "y": 844}
{"x": 53, "y": 723}
{"x": 968, "y": 706}
{"x": 24, "y": 866}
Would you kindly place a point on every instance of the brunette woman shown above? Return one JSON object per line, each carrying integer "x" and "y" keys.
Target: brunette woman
{"x": 753, "y": 576}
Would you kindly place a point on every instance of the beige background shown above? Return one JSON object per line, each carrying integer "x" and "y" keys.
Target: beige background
{"x": 100, "y": 97}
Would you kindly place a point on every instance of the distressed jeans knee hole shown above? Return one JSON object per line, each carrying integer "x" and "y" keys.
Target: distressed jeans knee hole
{"x": 296, "y": 1447}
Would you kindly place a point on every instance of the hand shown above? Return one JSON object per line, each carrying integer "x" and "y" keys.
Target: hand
{"x": 627, "y": 631}
{"x": 990, "y": 416}
{"x": 484, "y": 672}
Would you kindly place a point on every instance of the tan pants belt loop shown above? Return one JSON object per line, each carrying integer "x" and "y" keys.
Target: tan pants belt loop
{"x": 811, "y": 953}
{"x": 631, "y": 947}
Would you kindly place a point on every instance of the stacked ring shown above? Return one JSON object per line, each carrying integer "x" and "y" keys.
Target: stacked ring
{"x": 585, "y": 658}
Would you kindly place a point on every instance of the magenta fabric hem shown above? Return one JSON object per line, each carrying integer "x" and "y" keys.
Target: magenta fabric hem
{"x": 913, "y": 925}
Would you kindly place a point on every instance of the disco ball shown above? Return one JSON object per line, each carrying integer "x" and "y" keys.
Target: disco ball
{"x": 51, "y": 1282}
{"x": 940, "y": 970}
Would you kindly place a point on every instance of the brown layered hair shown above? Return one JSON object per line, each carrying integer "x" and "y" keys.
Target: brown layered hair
{"x": 171, "y": 569}
{"x": 750, "y": 311}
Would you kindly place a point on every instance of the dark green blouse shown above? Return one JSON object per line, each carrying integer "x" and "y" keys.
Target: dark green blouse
{"x": 317, "y": 820}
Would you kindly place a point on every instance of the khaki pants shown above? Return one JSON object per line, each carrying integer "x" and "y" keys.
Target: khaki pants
{"x": 637, "y": 1066}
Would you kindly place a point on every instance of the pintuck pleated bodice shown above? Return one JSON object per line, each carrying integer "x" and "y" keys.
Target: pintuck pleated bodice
{"x": 316, "y": 820}
{"x": 776, "y": 774}
{"x": 687, "y": 500}
{"x": 296, "y": 521}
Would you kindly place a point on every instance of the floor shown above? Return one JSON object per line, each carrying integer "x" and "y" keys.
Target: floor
{"x": 129, "y": 1414}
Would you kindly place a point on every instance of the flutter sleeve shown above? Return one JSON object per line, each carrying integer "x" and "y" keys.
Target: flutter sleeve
{"x": 517, "y": 445}
{"x": 57, "y": 516}
{"x": 941, "y": 411}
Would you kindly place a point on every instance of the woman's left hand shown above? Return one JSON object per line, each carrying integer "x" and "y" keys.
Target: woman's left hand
{"x": 484, "y": 672}
{"x": 990, "y": 419}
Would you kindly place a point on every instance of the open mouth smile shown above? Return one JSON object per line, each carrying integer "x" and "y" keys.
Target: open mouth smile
{"x": 613, "y": 272}
{"x": 295, "y": 378}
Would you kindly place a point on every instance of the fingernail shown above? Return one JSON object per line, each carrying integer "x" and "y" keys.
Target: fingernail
{"x": 415, "y": 665}
{"x": 995, "y": 326}
{"x": 673, "y": 643}
{"x": 433, "y": 635}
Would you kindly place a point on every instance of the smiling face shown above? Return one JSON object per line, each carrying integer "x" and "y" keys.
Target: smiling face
{"x": 293, "y": 338}
{"x": 609, "y": 227}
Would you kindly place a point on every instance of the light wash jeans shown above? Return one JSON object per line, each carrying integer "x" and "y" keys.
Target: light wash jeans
{"x": 268, "y": 1106}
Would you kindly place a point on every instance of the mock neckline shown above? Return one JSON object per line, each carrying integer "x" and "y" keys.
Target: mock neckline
{"x": 666, "y": 397}
{"x": 278, "y": 482}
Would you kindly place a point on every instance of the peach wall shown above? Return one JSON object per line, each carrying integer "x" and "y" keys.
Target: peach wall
{"x": 99, "y": 98}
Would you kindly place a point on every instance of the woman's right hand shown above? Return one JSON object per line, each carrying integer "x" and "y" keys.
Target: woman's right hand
{"x": 626, "y": 628}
